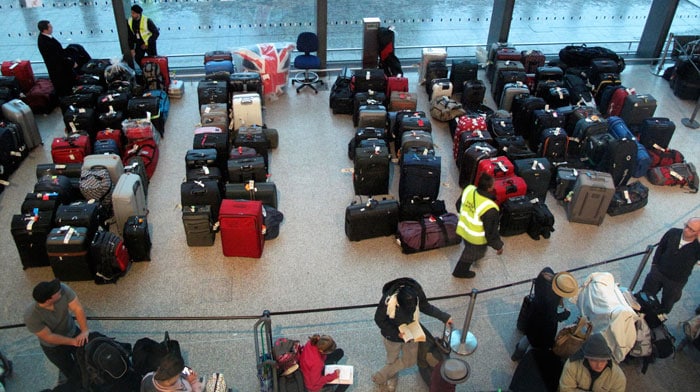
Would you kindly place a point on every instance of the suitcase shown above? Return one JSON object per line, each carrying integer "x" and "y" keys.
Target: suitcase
{"x": 523, "y": 109}
{"x": 70, "y": 170}
{"x": 557, "y": 97}
{"x": 59, "y": 184}
{"x": 366, "y": 99}
{"x": 473, "y": 94}
{"x": 40, "y": 201}
{"x": 542, "y": 222}
{"x": 371, "y": 170}
{"x": 115, "y": 134}
{"x": 80, "y": 214}
{"x": 564, "y": 181}
{"x": 537, "y": 173}
{"x": 128, "y": 199}
{"x": 543, "y": 119}
{"x": 136, "y": 165}
{"x": 212, "y": 91}
{"x": 340, "y": 99}
{"x": 13, "y": 149}
{"x": 111, "y": 162}
{"x": 591, "y": 197}
{"x": 112, "y": 101}
{"x": 410, "y": 121}
{"x": 162, "y": 62}
{"x": 435, "y": 70}
{"x": 514, "y": 147}
{"x": 137, "y": 238}
{"x": 371, "y": 217}
{"x": 266, "y": 192}
{"x": 656, "y": 131}
{"x": 9, "y": 88}
{"x": 554, "y": 145}
{"x": 246, "y": 169}
{"x": 461, "y": 72}
{"x": 428, "y": 55}
{"x": 254, "y": 137}
{"x": 440, "y": 87}
{"x": 510, "y": 91}
{"x": 81, "y": 120}
{"x": 96, "y": 67}
{"x": 418, "y": 141}
{"x": 502, "y": 66}
{"x": 400, "y": 100}
{"x": 241, "y": 226}
{"x": 109, "y": 256}
{"x": 516, "y": 214}
{"x": 619, "y": 129}
{"x": 67, "y": 248}
{"x": 496, "y": 167}
{"x": 638, "y": 107}
{"x": 246, "y": 82}
{"x": 153, "y": 105}
{"x": 87, "y": 100}
{"x": 220, "y": 68}
{"x": 469, "y": 162}
{"x": 465, "y": 138}
{"x": 200, "y": 157}
{"x": 22, "y": 71}
{"x": 111, "y": 120}
{"x": 628, "y": 198}
{"x": 372, "y": 116}
{"x": 198, "y": 225}
{"x": 246, "y": 110}
{"x": 176, "y": 89}
{"x": 29, "y": 231}
{"x": 420, "y": 177}
{"x": 70, "y": 149}
{"x": 398, "y": 83}
{"x": 507, "y": 187}
{"x": 42, "y": 98}
{"x": 532, "y": 60}
{"x": 201, "y": 192}
{"x": 212, "y": 137}
{"x": 585, "y": 128}
{"x": 417, "y": 208}
{"x": 217, "y": 55}
{"x": 366, "y": 79}
{"x": 364, "y": 134}
{"x": 96, "y": 184}
{"x": 147, "y": 150}
{"x": 579, "y": 91}
{"x": 205, "y": 173}
{"x": 217, "y": 120}
{"x": 137, "y": 129}
{"x": 20, "y": 113}
{"x": 500, "y": 126}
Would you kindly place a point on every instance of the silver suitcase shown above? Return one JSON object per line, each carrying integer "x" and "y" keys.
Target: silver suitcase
{"x": 510, "y": 91}
{"x": 128, "y": 199}
{"x": 176, "y": 89}
{"x": 111, "y": 162}
{"x": 247, "y": 110}
{"x": 19, "y": 112}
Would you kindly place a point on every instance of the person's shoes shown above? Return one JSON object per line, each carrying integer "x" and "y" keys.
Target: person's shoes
{"x": 375, "y": 379}
{"x": 391, "y": 384}
{"x": 464, "y": 275}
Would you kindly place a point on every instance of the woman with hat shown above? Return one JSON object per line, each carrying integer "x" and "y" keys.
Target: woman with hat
{"x": 171, "y": 376}
{"x": 550, "y": 290}
{"x": 592, "y": 369}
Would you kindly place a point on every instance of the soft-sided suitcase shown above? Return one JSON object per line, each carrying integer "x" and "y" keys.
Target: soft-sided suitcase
{"x": 128, "y": 199}
{"x": 212, "y": 91}
{"x": 246, "y": 110}
{"x": 497, "y": 167}
{"x": 340, "y": 99}
{"x": 367, "y": 79}
{"x": 137, "y": 238}
{"x": 266, "y": 192}
{"x": 201, "y": 192}
{"x": 369, "y": 98}
{"x": 628, "y": 198}
{"x": 554, "y": 145}
{"x": 40, "y": 201}
{"x": 537, "y": 173}
{"x": 60, "y": 184}
{"x": 147, "y": 150}
{"x": 213, "y": 137}
{"x": 246, "y": 82}
{"x": 516, "y": 214}
{"x": 461, "y": 72}
{"x": 638, "y": 107}
{"x": 109, "y": 256}
{"x": 198, "y": 224}
{"x": 136, "y": 165}
{"x": 473, "y": 93}
{"x": 411, "y": 121}
{"x": 564, "y": 181}
{"x": 367, "y": 133}
{"x": 29, "y": 231}
{"x": 510, "y": 91}
{"x": 67, "y": 248}
{"x": 398, "y": 83}
{"x": 435, "y": 70}
{"x": 371, "y": 169}
{"x": 20, "y": 113}
{"x": 532, "y": 60}
{"x": 81, "y": 120}
{"x": 418, "y": 141}
{"x": 241, "y": 226}
{"x": 420, "y": 176}
{"x": 371, "y": 116}
{"x": 469, "y": 162}
{"x": 80, "y": 214}
{"x": 200, "y": 157}
{"x": 70, "y": 149}
{"x": 22, "y": 70}
{"x": 618, "y": 128}
{"x": 591, "y": 197}
{"x": 246, "y": 169}
{"x": 112, "y": 134}
{"x": 372, "y": 217}
{"x": 162, "y": 62}
{"x": 542, "y": 223}
{"x": 507, "y": 187}
{"x": 656, "y": 131}
{"x": 402, "y": 100}
{"x": 13, "y": 149}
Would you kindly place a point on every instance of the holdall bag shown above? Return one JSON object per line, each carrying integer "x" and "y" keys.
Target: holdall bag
{"x": 376, "y": 216}
{"x": 664, "y": 156}
{"x": 526, "y": 310}
{"x": 444, "y": 108}
{"x": 628, "y": 198}
{"x": 683, "y": 174}
{"x": 570, "y": 339}
{"x": 428, "y": 233}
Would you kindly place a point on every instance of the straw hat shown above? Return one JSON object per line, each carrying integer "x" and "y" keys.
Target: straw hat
{"x": 565, "y": 285}
{"x": 455, "y": 371}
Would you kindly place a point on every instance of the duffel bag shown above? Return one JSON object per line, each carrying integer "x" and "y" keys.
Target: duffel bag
{"x": 431, "y": 232}
{"x": 628, "y": 198}
{"x": 443, "y": 108}
{"x": 665, "y": 156}
{"x": 676, "y": 174}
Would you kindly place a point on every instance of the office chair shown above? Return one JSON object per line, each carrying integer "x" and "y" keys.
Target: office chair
{"x": 307, "y": 42}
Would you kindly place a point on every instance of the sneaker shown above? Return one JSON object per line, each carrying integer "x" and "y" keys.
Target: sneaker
{"x": 465, "y": 275}
{"x": 391, "y": 384}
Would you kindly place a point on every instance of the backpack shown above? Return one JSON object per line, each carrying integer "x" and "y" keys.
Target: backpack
{"x": 286, "y": 355}
{"x": 103, "y": 361}
{"x": 642, "y": 346}
{"x": 152, "y": 76}
{"x": 691, "y": 330}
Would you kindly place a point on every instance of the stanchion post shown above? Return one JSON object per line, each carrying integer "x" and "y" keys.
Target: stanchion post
{"x": 691, "y": 122}
{"x": 640, "y": 267}
{"x": 464, "y": 342}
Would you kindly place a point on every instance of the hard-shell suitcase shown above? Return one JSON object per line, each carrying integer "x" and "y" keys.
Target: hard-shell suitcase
{"x": 137, "y": 238}
{"x": 219, "y": 68}
{"x": 420, "y": 176}
{"x": 371, "y": 170}
{"x": 198, "y": 225}
{"x": 241, "y": 226}
{"x": 564, "y": 181}
{"x": 638, "y": 107}
{"x": 245, "y": 169}
{"x": 20, "y": 113}
{"x": 461, "y": 72}
{"x": 497, "y": 167}
{"x": 428, "y": 55}
{"x": 128, "y": 199}
{"x": 201, "y": 192}
{"x": 516, "y": 214}
{"x": 591, "y": 197}
{"x": 507, "y": 187}
{"x": 22, "y": 70}
{"x": 217, "y": 55}
{"x": 136, "y": 165}
{"x": 246, "y": 110}
{"x": 469, "y": 162}
{"x": 266, "y": 192}
{"x": 510, "y": 91}
{"x": 111, "y": 162}
{"x": 371, "y": 217}
{"x": 537, "y": 173}
{"x": 401, "y": 100}
{"x": 656, "y": 131}
{"x": 67, "y": 248}
{"x": 212, "y": 91}
{"x": 29, "y": 231}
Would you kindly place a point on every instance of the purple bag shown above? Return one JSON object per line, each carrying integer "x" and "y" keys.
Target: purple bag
{"x": 431, "y": 232}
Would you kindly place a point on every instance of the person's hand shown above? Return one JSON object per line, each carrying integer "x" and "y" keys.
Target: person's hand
{"x": 143, "y": 46}
{"x": 450, "y": 322}
{"x": 133, "y": 53}
{"x": 500, "y": 251}
{"x": 192, "y": 377}
{"x": 401, "y": 335}
{"x": 81, "y": 339}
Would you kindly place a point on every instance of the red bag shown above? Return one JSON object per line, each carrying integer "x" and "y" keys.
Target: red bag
{"x": 41, "y": 98}
{"x": 396, "y": 83}
{"x": 70, "y": 149}
{"x": 507, "y": 187}
{"x": 137, "y": 130}
{"x": 113, "y": 134}
{"x": 162, "y": 62}
{"x": 147, "y": 149}
{"x": 241, "y": 227}
{"x": 497, "y": 167}
{"x": 676, "y": 174}
{"x": 665, "y": 157}
{"x": 22, "y": 70}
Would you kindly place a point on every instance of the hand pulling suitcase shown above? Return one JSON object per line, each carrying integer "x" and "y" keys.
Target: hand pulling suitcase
{"x": 29, "y": 231}
{"x": 591, "y": 197}
{"x": 246, "y": 110}
{"x": 20, "y": 113}
{"x": 241, "y": 226}
{"x": 198, "y": 224}
{"x": 137, "y": 238}
{"x": 377, "y": 216}
{"x": 67, "y": 248}
{"x": 128, "y": 199}
{"x": 515, "y": 216}
{"x": 266, "y": 192}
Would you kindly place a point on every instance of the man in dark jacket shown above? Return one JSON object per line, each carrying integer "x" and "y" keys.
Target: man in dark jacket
{"x": 675, "y": 257}
{"x": 402, "y": 301}
{"x": 143, "y": 34}
{"x": 59, "y": 66}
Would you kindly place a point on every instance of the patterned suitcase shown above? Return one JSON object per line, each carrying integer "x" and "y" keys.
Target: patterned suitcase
{"x": 111, "y": 162}
{"x": 241, "y": 226}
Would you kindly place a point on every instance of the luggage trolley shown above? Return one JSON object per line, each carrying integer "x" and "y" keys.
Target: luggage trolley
{"x": 265, "y": 362}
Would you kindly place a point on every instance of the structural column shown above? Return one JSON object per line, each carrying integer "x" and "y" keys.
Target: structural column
{"x": 656, "y": 28}
{"x": 121, "y": 11}
{"x": 501, "y": 16}
{"x": 322, "y": 31}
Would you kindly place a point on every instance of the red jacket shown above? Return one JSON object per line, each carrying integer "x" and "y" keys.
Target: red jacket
{"x": 312, "y": 363}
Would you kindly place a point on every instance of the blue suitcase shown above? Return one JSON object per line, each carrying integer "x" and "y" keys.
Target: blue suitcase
{"x": 618, "y": 128}
{"x": 420, "y": 177}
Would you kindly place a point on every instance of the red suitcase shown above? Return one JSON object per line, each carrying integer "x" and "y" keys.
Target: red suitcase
{"x": 71, "y": 149}
{"x": 396, "y": 83}
{"x": 507, "y": 187}
{"x": 241, "y": 226}
{"x": 147, "y": 149}
{"x": 497, "y": 167}
{"x": 113, "y": 134}
{"x": 22, "y": 70}
{"x": 162, "y": 64}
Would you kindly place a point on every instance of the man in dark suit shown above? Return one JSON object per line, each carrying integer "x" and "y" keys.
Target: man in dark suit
{"x": 59, "y": 65}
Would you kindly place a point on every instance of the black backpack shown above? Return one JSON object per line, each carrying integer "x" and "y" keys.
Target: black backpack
{"x": 103, "y": 361}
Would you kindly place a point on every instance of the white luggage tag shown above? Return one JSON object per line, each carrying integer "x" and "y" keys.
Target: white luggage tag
{"x": 502, "y": 167}
{"x": 69, "y": 234}
{"x": 626, "y": 194}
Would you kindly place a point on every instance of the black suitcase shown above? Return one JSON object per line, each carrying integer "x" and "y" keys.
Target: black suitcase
{"x": 70, "y": 170}
{"x": 80, "y": 214}
{"x": 59, "y": 184}
{"x": 516, "y": 213}
{"x": 542, "y": 223}
{"x": 417, "y": 208}
{"x": 470, "y": 159}
{"x": 436, "y": 69}
{"x": 367, "y": 79}
{"x": 619, "y": 159}
{"x": 371, "y": 170}
{"x": 367, "y": 99}
{"x": 638, "y": 107}
{"x": 198, "y": 223}
{"x": 564, "y": 181}
{"x": 112, "y": 101}
{"x": 420, "y": 177}
{"x": 112, "y": 120}
{"x": 40, "y": 202}
{"x": 554, "y": 144}
{"x": 656, "y": 131}
{"x": 367, "y": 133}
{"x": 340, "y": 98}
{"x": 29, "y": 232}
{"x": 137, "y": 238}
{"x": 473, "y": 94}
{"x": 411, "y": 121}
{"x": 628, "y": 198}
{"x": 523, "y": 109}
{"x": 77, "y": 101}
{"x": 217, "y": 141}
{"x": 537, "y": 173}
{"x": 246, "y": 169}
{"x": 462, "y": 71}
{"x": 541, "y": 120}
{"x": 377, "y": 216}
{"x": 204, "y": 173}
{"x": 201, "y": 157}
{"x": 500, "y": 126}
{"x": 67, "y": 248}
{"x": 245, "y": 82}
{"x": 253, "y": 137}
{"x": 213, "y": 91}
{"x": 13, "y": 149}
{"x": 266, "y": 192}
{"x": 81, "y": 120}
{"x": 201, "y": 192}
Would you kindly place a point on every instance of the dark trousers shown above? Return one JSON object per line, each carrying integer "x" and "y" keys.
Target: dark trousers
{"x": 64, "y": 359}
{"x": 672, "y": 290}
{"x": 470, "y": 254}
{"x": 332, "y": 359}
{"x": 139, "y": 53}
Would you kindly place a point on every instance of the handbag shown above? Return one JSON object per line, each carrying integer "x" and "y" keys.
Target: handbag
{"x": 216, "y": 383}
{"x": 570, "y": 339}
{"x": 526, "y": 310}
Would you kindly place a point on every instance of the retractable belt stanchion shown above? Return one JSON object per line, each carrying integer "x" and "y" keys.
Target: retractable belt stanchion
{"x": 641, "y": 266}
{"x": 691, "y": 122}
{"x": 464, "y": 342}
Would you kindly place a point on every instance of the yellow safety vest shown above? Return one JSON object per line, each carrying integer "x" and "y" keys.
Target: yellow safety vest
{"x": 144, "y": 32}
{"x": 474, "y": 205}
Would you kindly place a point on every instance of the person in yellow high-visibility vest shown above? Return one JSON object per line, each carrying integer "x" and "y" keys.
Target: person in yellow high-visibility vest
{"x": 478, "y": 225}
{"x": 143, "y": 34}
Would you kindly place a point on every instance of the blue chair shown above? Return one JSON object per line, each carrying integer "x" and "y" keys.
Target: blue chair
{"x": 307, "y": 42}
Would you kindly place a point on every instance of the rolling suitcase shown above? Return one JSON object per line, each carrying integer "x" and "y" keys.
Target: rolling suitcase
{"x": 465, "y": 139}
{"x": 469, "y": 162}
{"x": 367, "y": 133}
{"x": 128, "y": 199}
{"x": 81, "y": 120}
{"x": 219, "y": 69}
{"x": 246, "y": 110}
{"x": 473, "y": 93}
{"x": 398, "y": 83}
{"x": 40, "y": 201}
{"x": 198, "y": 225}
{"x": 510, "y": 91}
{"x": 20, "y": 113}
{"x": 410, "y": 120}
{"x": 246, "y": 82}
{"x": 638, "y": 107}
{"x": 42, "y": 98}
{"x": 507, "y": 187}
{"x": 496, "y": 167}
{"x": 537, "y": 173}
{"x": 564, "y": 181}
{"x": 402, "y": 100}
{"x": 29, "y": 231}
{"x": 201, "y": 193}
{"x": 80, "y": 214}
{"x": 371, "y": 217}
{"x": 618, "y": 128}
{"x": 109, "y": 256}
{"x": 371, "y": 169}
{"x": 112, "y": 101}
{"x": 212, "y": 91}
{"x": 115, "y": 134}
{"x": 246, "y": 169}
{"x": 137, "y": 238}
{"x": 656, "y": 131}
{"x": 213, "y": 137}
{"x": 363, "y": 80}
{"x": 22, "y": 70}
{"x": 554, "y": 145}
{"x": 201, "y": 157}
{"x": 162, "y": 62}
{"x": 13, "y": 149}
{"x": 440, "y": 87}
{"x": 516, "y": 214}
{"x": 420, "y": 176}
{"x": 217, "y": 55}
{"x": 266, "y": 192}
{"x": 591, "y": 197}
{"x": 435, "y": 70}
{"x": 176, "y": 89}
{"x": 241, "y": 226}
{"x": 136, "y": 165}
{"x": 532, "y": 60}
{"x": 147, "y": 150}
{"x": 67, "y": 248}
{"x": 372, "y": 116}
{"x": 461, "y": 72}
{"x": 428, "y": 55}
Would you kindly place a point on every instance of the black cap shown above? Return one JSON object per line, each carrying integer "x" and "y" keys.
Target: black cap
{"x": 137, "y": 8}
{"x": 45, "y": 290}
